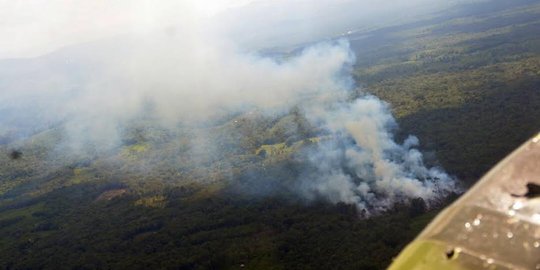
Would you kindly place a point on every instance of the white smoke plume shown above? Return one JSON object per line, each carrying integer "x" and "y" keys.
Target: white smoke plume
{"x": 363, "y": 165}
{"x": 182, "y": 85}
{"x": 185, "y": 75}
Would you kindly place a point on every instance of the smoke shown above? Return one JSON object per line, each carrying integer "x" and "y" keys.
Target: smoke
{"x": 185, "y": 76}
{"x": 363, "y": 165}
{"x": 178, "y": 84}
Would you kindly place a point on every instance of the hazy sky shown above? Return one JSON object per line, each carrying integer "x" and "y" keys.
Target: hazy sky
{"x": 34, "y": 27}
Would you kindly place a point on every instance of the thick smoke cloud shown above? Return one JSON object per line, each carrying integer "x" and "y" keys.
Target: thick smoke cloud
{"x": 182, "y": 83}
{"x": 186, "y": 76}
{"x": 363, "y": 165}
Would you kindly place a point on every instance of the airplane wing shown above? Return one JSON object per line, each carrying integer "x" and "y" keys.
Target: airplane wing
{"x": 495, "y": 225}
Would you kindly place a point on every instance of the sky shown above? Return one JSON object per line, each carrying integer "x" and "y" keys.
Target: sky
{"x": 32, "y": 28}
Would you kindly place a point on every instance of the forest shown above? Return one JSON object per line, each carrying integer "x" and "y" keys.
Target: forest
{"x": 465, "y": 82}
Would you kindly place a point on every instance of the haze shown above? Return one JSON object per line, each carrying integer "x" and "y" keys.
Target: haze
{"x": 35, "y": 27}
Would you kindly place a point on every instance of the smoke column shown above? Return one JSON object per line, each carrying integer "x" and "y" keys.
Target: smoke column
{"x": 363, "y": 165}
{"x": 188, "y": 76}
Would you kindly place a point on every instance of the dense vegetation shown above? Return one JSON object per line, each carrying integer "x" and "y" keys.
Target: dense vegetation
{"x": 466, "y": 82}
{"x": 466, "y": 86}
